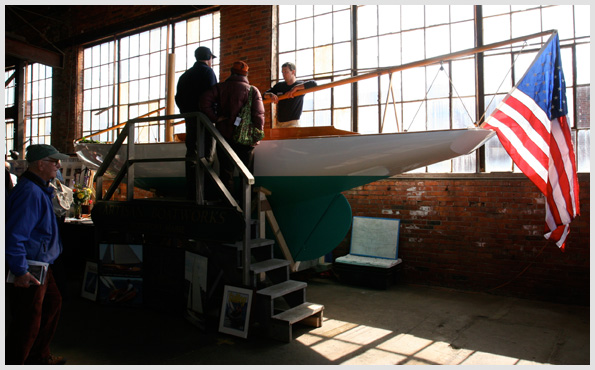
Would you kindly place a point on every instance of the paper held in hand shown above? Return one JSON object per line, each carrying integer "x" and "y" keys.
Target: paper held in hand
{"x": 38, "y": 269}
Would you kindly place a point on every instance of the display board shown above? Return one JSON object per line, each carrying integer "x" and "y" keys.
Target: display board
{"x": 375, "y": 237}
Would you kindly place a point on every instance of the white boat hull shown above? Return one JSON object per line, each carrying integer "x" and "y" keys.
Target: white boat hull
{"x": 307, "y": 175}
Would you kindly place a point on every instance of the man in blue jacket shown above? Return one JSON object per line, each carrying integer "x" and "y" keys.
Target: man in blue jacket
{"x": 32, "y": 234}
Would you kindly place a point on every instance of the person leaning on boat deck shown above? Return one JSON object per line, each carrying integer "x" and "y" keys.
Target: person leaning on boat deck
{"x": 191, "y": 85}
{"x": 32, "y": 234}
{"x": 222, "y": 104}
{"x": 289, "y": 111}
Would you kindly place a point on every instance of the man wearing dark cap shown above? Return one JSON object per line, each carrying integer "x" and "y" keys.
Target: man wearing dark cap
{"x": 222, "y": 104}
{"x": 32, "y": 234}
{"x": 191, "y": 85}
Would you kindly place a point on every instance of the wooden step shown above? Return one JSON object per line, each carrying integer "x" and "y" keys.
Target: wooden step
{"x": 306, "y": 313}
{"x": 281, "y": 289}
{"x": 268, "y": 265}
{"x": 254, "y": 243}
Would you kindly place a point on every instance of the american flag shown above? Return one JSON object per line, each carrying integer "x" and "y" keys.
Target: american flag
{"x": 532, "y": 125}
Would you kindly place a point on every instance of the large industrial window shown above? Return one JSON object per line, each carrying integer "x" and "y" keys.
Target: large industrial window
{"x": 126, "y": 78}
{"x": 329, "y": 43}
{"x": 38, "y": 106}
{"x": 9, "y": 98}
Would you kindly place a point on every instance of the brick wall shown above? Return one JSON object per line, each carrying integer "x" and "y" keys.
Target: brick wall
{"x": 480, "y": 235}
{"x": 246, "y": 33}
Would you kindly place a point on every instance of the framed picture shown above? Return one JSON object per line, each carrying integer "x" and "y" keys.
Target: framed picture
{"x": 89, "y": 288}
{"x": 235, "y": 311}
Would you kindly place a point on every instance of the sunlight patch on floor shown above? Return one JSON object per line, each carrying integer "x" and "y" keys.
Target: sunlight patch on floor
{"x": 353, "y": 344}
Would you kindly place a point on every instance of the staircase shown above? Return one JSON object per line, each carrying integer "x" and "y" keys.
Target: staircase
{"x": 279, "y": 302}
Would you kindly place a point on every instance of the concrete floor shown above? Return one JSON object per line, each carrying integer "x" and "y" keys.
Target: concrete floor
{"x": 405, "y": 324}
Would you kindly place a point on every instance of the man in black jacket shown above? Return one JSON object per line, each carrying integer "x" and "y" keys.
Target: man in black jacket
{"x": 191, "y": 85}
{"x": 289, "y": 110}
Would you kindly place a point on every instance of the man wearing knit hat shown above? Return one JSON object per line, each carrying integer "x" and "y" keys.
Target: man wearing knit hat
{"x": 191, "y": 85}
{"x": 32, "y": 234}
{"x": 222, "y": 104}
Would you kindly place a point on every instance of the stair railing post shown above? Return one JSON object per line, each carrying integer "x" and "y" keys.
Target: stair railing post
{"x": 247, "y": 203}
{"x": 130, "y": 162}
{"x": 199, "y": 170}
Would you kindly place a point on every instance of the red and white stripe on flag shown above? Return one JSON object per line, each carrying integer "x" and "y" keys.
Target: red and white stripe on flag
{"x": 540, "y": 144}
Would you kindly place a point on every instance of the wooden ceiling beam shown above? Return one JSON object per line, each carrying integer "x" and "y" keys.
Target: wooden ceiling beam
{"x": 30, "y": 53}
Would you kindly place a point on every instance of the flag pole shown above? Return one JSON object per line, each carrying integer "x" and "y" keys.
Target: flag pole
{"x": 420, "y": 63}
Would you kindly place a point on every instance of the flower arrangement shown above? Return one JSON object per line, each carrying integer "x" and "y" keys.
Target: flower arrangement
{"x": 81, "y": 194}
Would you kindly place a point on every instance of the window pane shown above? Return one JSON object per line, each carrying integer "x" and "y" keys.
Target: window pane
{"x": 367, "y": 53}
{"x": 414, "y": 84}
{"x": 461, "y": 12}
{"x": 322, "y": 99}
{"x": 436, "y": 14}
{"x": 342, "y": 56}
{"x": 180, "y": 33}
{"x": 367, "y": 17}
{"x": 367, "y": 91}
{"x": 495, "y": 9}
{"x": 206, "y": 27}
{"x": 582, "y": 20}
{"x": 389, "y": 50}
{"x": 322, "y": 117}
{"x": 396, "y": 87}
{"x": 559, "y": 18}
{"x": 413, "y": 49}
{"x": 412, "y": 16}
{"x": 304, "y": 63}
{"x": 322, "y": 9}
{"x": 342, "y": 26}
{"x": 286, "y": 13}
{"x": 498, "y": 79}
{"x": 583, "y": 102}
{"x": 497, "y": 160}
{"x": 464, "y": 163}
{"x": 286, "y": 37}
{"x": 462, "y": 36}
{"x": 438, "y": 84}
{"x": 134, "y": 45}
{"x": 304, "y": 33}
{"x": 463, "y": 114}
{"x": 302, "y": 11}
{"x": 439, "y": 167}
{"x": 584, "y": 151}
{"x": 437, "y": 39}
{"x": 526, "y": 23}
{"x": 389, "y": 18}
{"x": 323, "y": 30}
{"x": 463, "y": 77}
{"x": 438, "y": 115}
{"x": 342, "y": 95}
{"x": 414, "y": 116}
{"x": 368, "y": 120}
{"x": 496, "y": 29}
{"x": 583, "y": 64}
{"x": 323, "y": 59}
{"x": 342, "y": 119}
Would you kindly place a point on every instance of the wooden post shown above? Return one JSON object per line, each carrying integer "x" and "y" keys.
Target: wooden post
{"x": 170, "y": 96}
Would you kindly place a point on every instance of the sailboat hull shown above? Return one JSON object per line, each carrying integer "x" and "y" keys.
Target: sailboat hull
{"x": 306, "y": 175}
